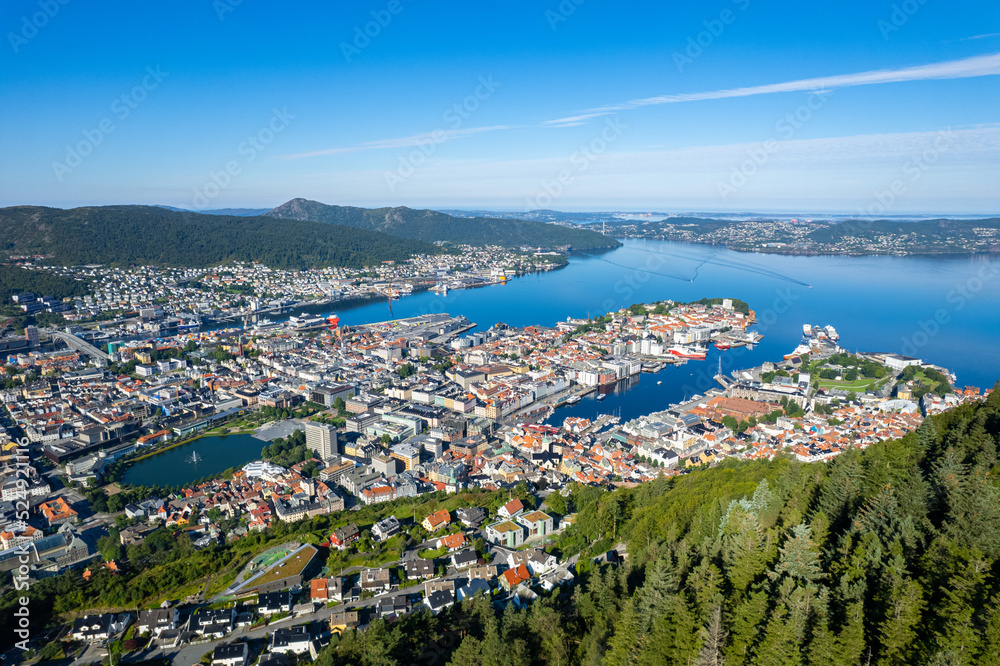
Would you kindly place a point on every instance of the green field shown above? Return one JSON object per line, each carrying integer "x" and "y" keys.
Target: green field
{"x": 860, "y": 385}
{"x": 270, "y": 557}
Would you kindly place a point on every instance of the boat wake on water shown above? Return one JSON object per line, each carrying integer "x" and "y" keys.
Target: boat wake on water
{"x": 734, "y": 264}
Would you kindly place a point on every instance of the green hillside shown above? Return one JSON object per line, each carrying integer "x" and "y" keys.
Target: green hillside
{"x": 885, "y": 556}
{"x": 123, "y": 235}
{"x": 429, "y": 225}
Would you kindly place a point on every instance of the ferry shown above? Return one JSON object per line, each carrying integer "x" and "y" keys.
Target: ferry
{"x": 801, "y": 349}
{"x": 333, "y": 320}
{"x": 688, "y": 352}
{"x": 831, "y": 333}
{"x": 572, "y": 400}
{"x": 807, "y": 330}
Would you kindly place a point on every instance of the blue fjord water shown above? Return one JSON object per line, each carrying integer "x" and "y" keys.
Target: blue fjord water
{"x": 943, "y": 310}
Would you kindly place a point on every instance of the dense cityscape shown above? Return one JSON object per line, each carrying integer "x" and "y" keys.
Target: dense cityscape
{"x": 402, "y": 417}
{"x": 500, "y": 334}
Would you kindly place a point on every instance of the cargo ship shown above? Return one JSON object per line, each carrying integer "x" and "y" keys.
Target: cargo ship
{"x": 688, "y": 352}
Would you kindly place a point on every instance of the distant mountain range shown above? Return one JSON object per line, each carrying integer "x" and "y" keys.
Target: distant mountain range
{"x": 237, "y": 212}
{"x": 297, "y": 234}
{"x": 124, "y": 235}
{"x": 430, "y": 225}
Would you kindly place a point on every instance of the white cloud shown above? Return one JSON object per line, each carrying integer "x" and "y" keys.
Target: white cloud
{"x": 987, "y": 65}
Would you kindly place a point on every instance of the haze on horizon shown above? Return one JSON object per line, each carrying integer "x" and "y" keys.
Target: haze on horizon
{"x": 889, "y": 108}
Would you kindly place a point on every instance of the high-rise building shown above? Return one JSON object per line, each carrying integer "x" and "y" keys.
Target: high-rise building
{"x": 322, "y": 439}
{"x": 31, "y": 334}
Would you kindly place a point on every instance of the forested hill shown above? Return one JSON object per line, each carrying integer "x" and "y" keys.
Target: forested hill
{"x": 429, "y": 225}
{"x": 122, "y": 235}
{"x": 885, "y": 556}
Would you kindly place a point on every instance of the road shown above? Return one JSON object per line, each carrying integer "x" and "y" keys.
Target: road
{"x": 191, "y": 654}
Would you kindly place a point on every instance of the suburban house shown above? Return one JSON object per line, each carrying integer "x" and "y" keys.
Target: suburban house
{"x": 538, "y": 523}
{"x": 272, "y": 603}
{"x": 213, "y": 623}
{"x": 436, "y": 520}
{"x": 555, "y": 578}
{"x": 375, "y": 580}
{"x": 156, "y": 620}
{"x": 485, "y": 572}
{"x": 344, "y": 536}
{"x": 393, "y": 607}
{"x": 386, "y": 528}
{"x": 340, "y": 622}
{"x": 474, "y": 586}
{"x": 332, "y": 589}
{"x": 511, "y": 578}
{"x": 511, "y": 509}
{"x": 291, "y": 639}
{"x": 506, "y": 533}
{"x": 418, "y": 568}
{"x": 536, "y": 560}
{"x": 93, "y": 628}
{"x": 472, "y": 516}
{"x": 438, "y": 601}
{"x": 233, "y": 654}
{"x": 452, "y": 541}
{"x": 464, "y": 559}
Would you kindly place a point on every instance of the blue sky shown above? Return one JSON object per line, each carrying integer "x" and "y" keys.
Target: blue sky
{"x": 884, "y": 107}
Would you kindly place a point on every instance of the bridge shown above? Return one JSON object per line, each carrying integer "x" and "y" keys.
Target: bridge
{"x": 76, "y": 343}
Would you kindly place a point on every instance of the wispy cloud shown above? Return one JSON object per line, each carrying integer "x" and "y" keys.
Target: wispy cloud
{"x": 986, "y": 65}
{"x": 992, "y": 34}
{"x": 422, "y": 139}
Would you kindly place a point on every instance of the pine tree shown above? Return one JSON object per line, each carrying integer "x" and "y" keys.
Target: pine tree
{"x": 625, "y": 645}
{"x": 898, "y": 632}
{"x": 799, "y": 557}
{"x": 850, "y": 645}
{"x": 748, "y": 618}
{"x": 713, "y": 639}
{"x": 779, "y": 646}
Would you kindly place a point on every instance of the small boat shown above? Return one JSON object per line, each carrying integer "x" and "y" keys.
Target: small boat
{"x": 659, "y": 382}
{"x": 723, "y": 345}
{"x": 601, "y": 397}
{"x": 572, "y": 400}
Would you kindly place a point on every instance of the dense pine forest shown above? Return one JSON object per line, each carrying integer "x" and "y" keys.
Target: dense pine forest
{"x": 430, "y": 225}
{"x": 885, "y": 556}
{"x": 124, "y": 235}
